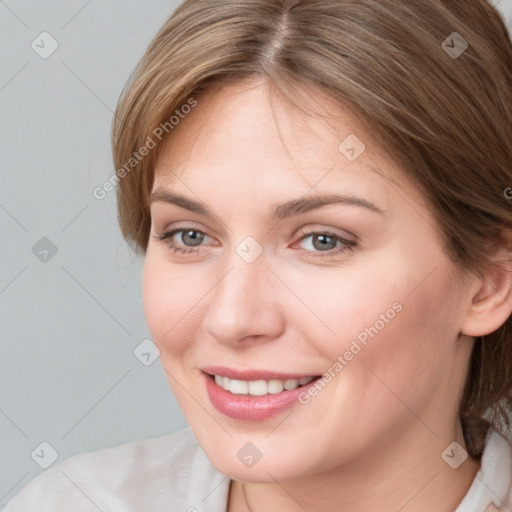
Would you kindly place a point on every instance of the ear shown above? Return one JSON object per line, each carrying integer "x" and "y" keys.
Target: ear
{"x": 491, "y": 300}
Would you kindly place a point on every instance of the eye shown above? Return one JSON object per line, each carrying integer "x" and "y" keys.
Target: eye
{"x": 189, "y": 235}
{"x": 325, "y": 243}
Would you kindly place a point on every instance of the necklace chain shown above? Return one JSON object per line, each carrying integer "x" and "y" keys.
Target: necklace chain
{"x": 245, "y": 498}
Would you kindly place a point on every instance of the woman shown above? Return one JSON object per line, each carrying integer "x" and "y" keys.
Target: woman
{"x": 321, "y": 192}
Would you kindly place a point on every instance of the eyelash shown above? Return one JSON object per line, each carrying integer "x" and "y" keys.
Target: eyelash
{"x": 349, "y": 245}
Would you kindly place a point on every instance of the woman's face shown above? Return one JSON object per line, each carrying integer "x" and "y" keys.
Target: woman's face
{"x": 274, "y": 285}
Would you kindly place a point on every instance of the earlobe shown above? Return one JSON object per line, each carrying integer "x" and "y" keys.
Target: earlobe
{"x": 491, "y": 303}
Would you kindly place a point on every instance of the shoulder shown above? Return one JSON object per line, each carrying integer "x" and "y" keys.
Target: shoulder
{"x": 150, "y": 474}
{"x": 491, "y": 490}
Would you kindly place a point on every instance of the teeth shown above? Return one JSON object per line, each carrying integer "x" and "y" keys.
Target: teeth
{"x": 291, "y": 384}
{"x": 238, "y": 387}
{"x": 259, "y": 387}
{"x": 275, "y": 386}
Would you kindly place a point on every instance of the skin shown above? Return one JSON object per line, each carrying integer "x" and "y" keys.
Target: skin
{"x": 372, "y": 438}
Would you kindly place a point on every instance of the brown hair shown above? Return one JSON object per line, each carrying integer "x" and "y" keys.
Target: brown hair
{"x": 445, "y": 118}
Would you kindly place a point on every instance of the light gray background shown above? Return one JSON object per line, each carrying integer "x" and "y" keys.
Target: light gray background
{"x": 70, "y": 324}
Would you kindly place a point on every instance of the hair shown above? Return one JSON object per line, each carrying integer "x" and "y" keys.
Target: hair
{"x": 446, "y": 119}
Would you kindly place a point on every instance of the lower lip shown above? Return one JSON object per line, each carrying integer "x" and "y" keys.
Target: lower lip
{"x": 249, "y": 407}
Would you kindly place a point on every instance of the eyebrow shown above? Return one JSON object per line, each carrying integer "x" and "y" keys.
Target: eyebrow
{"x": 282, "y": 211}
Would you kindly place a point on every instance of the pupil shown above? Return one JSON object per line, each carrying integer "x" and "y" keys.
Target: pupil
{"x": 196, "y": 240}
{"x": 323, "y": 245}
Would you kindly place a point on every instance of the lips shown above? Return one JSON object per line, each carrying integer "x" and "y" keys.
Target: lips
{"x": 252, "y": 375}
{"x": 247, "y": 407}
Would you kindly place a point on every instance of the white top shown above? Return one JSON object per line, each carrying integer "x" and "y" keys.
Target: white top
{"x": 172, "y": 473}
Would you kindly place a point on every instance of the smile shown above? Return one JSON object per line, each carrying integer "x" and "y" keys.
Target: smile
{"x": 253, "y": 398}
{"x": 259, "y": 387}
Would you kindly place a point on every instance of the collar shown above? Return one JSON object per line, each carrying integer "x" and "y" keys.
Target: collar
{"x": 491, "y": 487}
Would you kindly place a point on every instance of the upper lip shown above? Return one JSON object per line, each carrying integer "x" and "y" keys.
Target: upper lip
{"x": 254, "y": 374}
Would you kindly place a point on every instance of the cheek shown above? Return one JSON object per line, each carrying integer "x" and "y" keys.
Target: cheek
{"x": 350, "y": 305}
{"x": 405, "y": 359}
{"x": 169, "y": 303}
{"x": 383, "y": 321}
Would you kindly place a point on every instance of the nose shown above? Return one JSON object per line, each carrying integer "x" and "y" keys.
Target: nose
{"x": 244, "y": 305}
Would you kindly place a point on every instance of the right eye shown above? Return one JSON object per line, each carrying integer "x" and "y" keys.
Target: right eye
{"x": 192, "y": 235}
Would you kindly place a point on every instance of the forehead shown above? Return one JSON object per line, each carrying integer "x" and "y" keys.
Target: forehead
{"x": 244, "y": 135}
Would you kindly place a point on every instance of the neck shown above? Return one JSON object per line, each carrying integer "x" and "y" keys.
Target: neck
{"x": 405, "y": 473}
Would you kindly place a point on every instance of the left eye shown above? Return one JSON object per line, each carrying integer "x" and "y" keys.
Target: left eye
{"x": 322, "y": 242}
{"x": 327, "y": 242}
